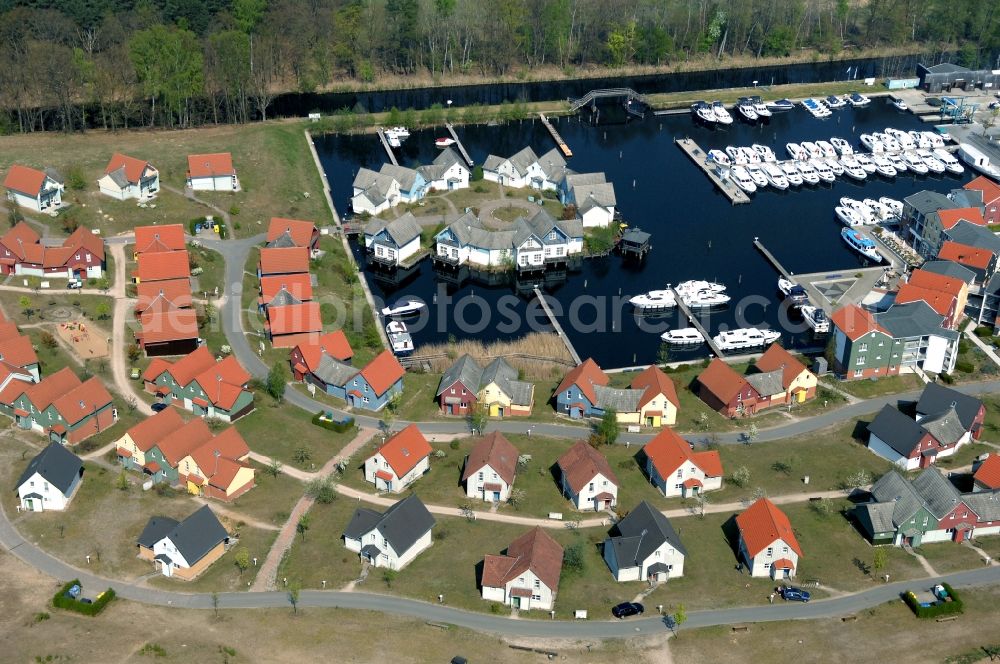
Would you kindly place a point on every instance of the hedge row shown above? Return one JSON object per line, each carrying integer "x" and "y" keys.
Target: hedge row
{"x": 339, "y": 427}
{"x": 937, "y": 609}
{"x": 61, "y": 601}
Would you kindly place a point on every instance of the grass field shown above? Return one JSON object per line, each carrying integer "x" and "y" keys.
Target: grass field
{"x": 279, "y": 430}
{"x": 224, "y": 575}
{"x": 320, "y": 555}
{"x": 271, "y": 499}
{"x": 866, "y": 389}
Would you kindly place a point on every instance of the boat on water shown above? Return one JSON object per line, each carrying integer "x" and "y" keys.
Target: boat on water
{"x": 828, "y": 150}
{"x": 816, "y": 108}
{"x": 742, "y": 178}
{"x": 883, "y": 166}
{"x": 857, "y": 100}
{"x": 701, "y": 110}
{"x": 404, "y": 307}
{"x": 745, "y": 337}
{"x": 722, "y": 116}
{"x": 792, "y": 173}
{"x": 888, "y": 142}
{"x": 948, "y": 159}
{"x": 393, "y": 141}
{"x": 780, "y": 105}
{"x": 699, "y": 285}
{"x": 808, "y": 172}
{"x": 399, "y": 337}
{"x": 919, "y": 139}
{"x": 812, "y": 149}
{"x": 737, "y": 156}
{"x": 865, "y": 162}
{"x": 705, "y": 299}
{"x": 745, "y": 108}
{"x": 852, "y": 168}
{"x": 863, "y": 210}
{"x": 897, "y": 162}
{"x": 848, "y": 216}
{"x": 895, "y": 207}
{"x": 399, "y": 131}
{"x": 757, "y": 175}
{"x": 915, "y": 163}
{"x": 795, "y": 151}
{"x": 871, "y": 143}
{"x": 833, "y": 101}
{"x": 932, "y": 163}
{"x": 815, "y": 318}
{"x": 751, "y": 155}
{"x": 720, "y": 157}
{"x": 775, "y": 176}
{"x": 835, "y": 166}
{"x": 685, "y": 336}
{"x": 823, "y": 169}
{"x": 760, "y": 107}
{"x": 978, "y": 160}
{"x": 841, "y": 146}
{"x": 765, "y": 152}
{"x": 861, "y": 244}
{"x": 905, "y": 140}
{"x": 880, "y": 211}
{"x": 792, "y": 291}
{"x": 444, "y": 142}
{"x": 657, "y": 300}
{"x": 898, "y": 104}
{"x": 936, "y": 140}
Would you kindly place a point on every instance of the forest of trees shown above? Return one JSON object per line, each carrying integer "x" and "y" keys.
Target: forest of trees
{"x": 183, "y": 62}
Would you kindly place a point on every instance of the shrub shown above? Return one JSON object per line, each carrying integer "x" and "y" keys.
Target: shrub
{"x": 321, "y": 490}
{"x": 477, "y": 175}
{"x": 48, "y": 340}
{"x": 62, "y": 601}
{"x": 937, "y": 609}
{"x": 453, "y": 444}
{"x": 983, "y": 331}
{"x": 330, "y": 424}
{"x": 965, "y": 366}
{"x": 947, "y": 379}
{"x": 234, "y": 210}
{"x": 75, "y": 179}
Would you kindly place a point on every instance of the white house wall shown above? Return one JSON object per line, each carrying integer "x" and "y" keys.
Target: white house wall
{"x": 879, "y": 447}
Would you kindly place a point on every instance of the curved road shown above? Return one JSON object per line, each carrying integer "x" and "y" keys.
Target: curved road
{"x": 482, "y": 622}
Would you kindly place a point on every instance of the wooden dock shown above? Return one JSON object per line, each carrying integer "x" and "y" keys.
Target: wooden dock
{"x": 388, "y": 148}
{"x": 770, "y": 257}
{"x": 696, "y": 323}
{"x": 735, "y": 195}
{"x": 458, "y": 142}
{"x": 815, "y": 297}
{"x": 556, "y": 325}
{"x": 555, "y": 134}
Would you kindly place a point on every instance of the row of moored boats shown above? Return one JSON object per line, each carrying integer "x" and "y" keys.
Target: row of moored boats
{"x": 754, "y": 109}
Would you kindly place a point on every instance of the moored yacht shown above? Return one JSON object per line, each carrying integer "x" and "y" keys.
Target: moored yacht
{"x": 835, "y": 166}
{"x": 895, "y": 207}
{"x": 857, "y": 100}
{"x": 865, "y": 162}
{"x": 905, "y": 140}
{"x": 775, "y": 176}
{"x": 897, "y": 162}
{"x": 852, "y": 168}
{"x": 745, "y": 108}
{"x": 812, "y": 149}
{"x": 871, "y": 143}
{"x": 685, "y": 336}
{"x": 848, "y": 216}
{"x": 399, "y": 337}
{"x": 760, "y": 107}
{"x": 921, "y": 141}
{"x": 930, "y": 161}
{"x": 705, "y": 299}
{"x": 808, "y": 171}
{"x": 742, "y": 179}
{"x": 949, "y": 161}
{"x": 899, "y": 104}
{"x": 861, "y": 244}
{"x": 815, "y": 318}
{"x": 863, "y": 210}
{"x": 736, "y": 156}
{"x": 915, "y": 163}
{"x": 880, "y": 211}
{"x": 702, "y": 111}
{"x": 720, "y": 157}
{"x": 699, "y": 285}
{"x": 795, "y": 151}
{"x": 757, "y": 175}
{"x": 841, "y": 146}
{"x": 827, "y": 148}
{"x": 722, "y": 116}
{"x": 746, "y": 337}
{"x": 823, "y": 169}
{"x": 883, "y": 166}
{"x": 657, "y": 300}
{"x": 751, "y": 155}
{"x": 780, "y": 105}
{"x": 792, "y": 173}
{"x": 936, "y": 139}
{"x": 792, "y": 291}
{"x": 405, "y": 307}
{"x": 833, "y": 101}
{"x": 765, "y": 152}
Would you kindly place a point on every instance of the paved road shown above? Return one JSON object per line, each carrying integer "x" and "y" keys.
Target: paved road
{"x": 483, "y": 622}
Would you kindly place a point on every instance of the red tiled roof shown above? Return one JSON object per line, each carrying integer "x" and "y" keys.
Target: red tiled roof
{"x": 229, "y": 444}
{"x": 668, "y": 451}
{"x": 298, "y": 285}
{"x": 497, "y": 452}
{"x": 939, "y": 282}
{"x": 19, "y": 238}
{"x": 655, "y": 382}
{"x": 951, "y": 217}
{"x": 300, "y": 231}
{"x": 536, "y": 551}
{"x": 156, "y": 367}
{"x": 152, "y": 467}
{"x": 24, "y": 180}
{"x": 990, "y": 189}
{"x": 855, "y": 322}
{"x": 334, "y": 344}
{"x": 181, "y": 442}
{"x": 151, "y": 430}
{"x": 965, "y": 254}
{"x": 940, "y": 302}
{"x": 383, "y": 475}
{"x": 171, "y": 325}
{"x": 169, "y": 293}
{"x": 692, "y": 482}
{"x": 161, "y": 265}
{"x": 84, "y": 238}
{"x": 783, "y": 563}
{"x": 775, "y": 358}
{"x": 295, "y": 318}
{"x": 210, "y": 165}
{"x": 17, "y": 352}
{"x": 383, "y": 372}
{"x": 293, "y": 340}
{"x": 223, "y": 382}
{"x": 43, "y": 394}
{"x": 582, "y": 463}
{"x": 15, "y": 388}
{"x": 284, "y": 260}
{"x": 168, "y": 237}
{"x": 721, "y": 380}
{"x": 82, "y": 401}
{"x": 988, "y": 473}
{"x": 405, "y": 450}
{"x": 761, "y": 524}
{"x": 709, "y": 461}
{"x": 122, "y": 452}
{"x": 134, "y": 168}
{"x": 191, "y": 365}
{"x": 584, "y": 376}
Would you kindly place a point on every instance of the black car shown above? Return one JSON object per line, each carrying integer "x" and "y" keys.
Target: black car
{"x": 626, "y": 609}
{"x": 794, "y": 594}
{"x": 157, "y": 407}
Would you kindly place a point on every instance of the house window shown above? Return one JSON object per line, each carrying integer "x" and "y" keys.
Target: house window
{"x": 784, "y": 549}
{"x": 767, "y": 565}
{"x": 857, "y": 373}
{"x": 770, "y": 552}
{"x": 453, "y": 390}
{"x": 591, "y": 486}
{"x": 862, "y": 348}
{"x": 680, "y": 472}
{"x": 538, "y": 584}
{"x": 365, "y": 399}
{"x": 480, "y": 476}
{"x": 678, "y": 485}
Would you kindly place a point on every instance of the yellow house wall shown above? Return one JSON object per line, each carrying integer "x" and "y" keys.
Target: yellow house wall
{"x": 126, "y": 443}
{"x": 243, "y": 477}
{"x": 804, "y": 381}
{"x": 669, "y": 417}
{"x": 491, "y": 394}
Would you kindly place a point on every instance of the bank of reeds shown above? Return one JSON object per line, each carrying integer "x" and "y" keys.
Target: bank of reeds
{"x": 538, "y": 355}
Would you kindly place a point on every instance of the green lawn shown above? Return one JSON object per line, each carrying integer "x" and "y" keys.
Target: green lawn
{"x": 418, "y": 403}
{"x": 320, "y": 555}
{"x": 50, "y": 359}
{"x": 947, "y": 557}
{"x": 224, "y": 575}
{"x": 213, "y": 268}
{"x": 866, "y": 389}
{"x": 964, "y": 456}
{"x": 990, "y": 544}
{"x": 42, "y": 302}
{"x": 271, "y": 499}
{"x": 279, "y": 430}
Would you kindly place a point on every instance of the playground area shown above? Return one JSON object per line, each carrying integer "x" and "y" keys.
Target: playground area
{"x": 86, "y": 342}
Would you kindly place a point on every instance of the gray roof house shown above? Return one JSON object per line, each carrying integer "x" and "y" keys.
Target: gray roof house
{"x": 409, "y": 179}
{"x": 393, "y": 538}
{"x": 393, "y": 241}
{"x": 974, "y": 235}
{"x": 644, "y": 546}
{"x": 466, "y": 382}
{"x": 50, "y": 480}
{"x": 622, "y": 400}
{"x": 520, "y": 162}
{"x": 938, "y": 430}
{"x": 183, "y": 549}
{"x": 937, "y": 398}
{"x": 950, "y": 269}
{"x": 767, "y": 383}
{"x": 373, "y": 192}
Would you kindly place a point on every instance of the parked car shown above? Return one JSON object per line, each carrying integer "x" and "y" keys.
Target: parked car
{"x": 794, "y": 594}
{"x": 158, "y": 406}
{"x": 74, "y": 284}
{"x": 134, "y": 373}
{"x": 626, "y": 609}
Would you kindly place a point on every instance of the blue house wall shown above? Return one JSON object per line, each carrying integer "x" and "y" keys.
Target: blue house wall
{"x": 573, "y": 395}
{"x": 358, "y": 384}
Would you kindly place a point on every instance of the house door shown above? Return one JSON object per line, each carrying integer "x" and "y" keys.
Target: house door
{"x": 575, "y": 413}
{"x": 494, "y": 410}
{"x": 961, "y": 535}
{"x": 496, "y": 496}
{"x": 29, "y": 504}
{"x": 925, "y": 461}
{"x": 515, "y": 602}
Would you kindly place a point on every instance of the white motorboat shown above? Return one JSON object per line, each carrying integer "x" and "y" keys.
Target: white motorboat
{"x": 795, "y": 151}
{"x": 751, "y": 155}
{"x": 746, "y": 337}
{"x": 861, "y": 244}
{"x": 657, "y": 300}
{"x": 833, "y": 101}
{"x": 905, "y": 140}
{"x": 848, "y": 216}
{"x": 399, "y": 338}
{"x": 393, "y": 141}
{"x": 978, "y": 160}
{"x": 444, "y": 142}
{"x": 863, "y": 210}
{"x": 685, "y": 336}
{"x": 705, "y": 299}
{"x": 824, "y": 171}
{"x": 703, "y": 111}
{"x": 883, "y": 166}
{"x": 792, "y": 173}
{"x": 742, "y": 179}
{"x": 933, "y": 164}
{"x": 936, "y": 140}
{"x": 871, "y": 143}
{"x": 921, "y": 141}
{"x": 736, "y": 156}
{"x": 857, "y": 100}
{"x": 809, "y": 174}
{"x": 889, "y": 143}
{"x": 841, "y": 146}
{"x": 816, "y": 107}
{"x": 815, "y": 318}
{"x": 865, "y": 162}
{"x": 835, "y": 166}
{"x": 746, "y": 109}
{"x": 897, "y": 162}
{"x": 399, "y": 131}
{"x": 949, "y": 161}
{"x": 765, "y": 152}
{"x": 915, "y": 163}
{"x": 879, "y": 211}
{"x": 899, "y": 104}
{"x": 405, "y": 307}
{"x": 812, "y": 149}
{"x": 757, "y": 175}
{"x": 792, "y": 291}
{"x": 828, "y": 150}
{"x": 720, "y": 157}
{"x": 852, "y": 168}
{"x": 760, "y": 107}
{"x": 722, "y": 116}
{"x": 698, "y": 286}
{"x": 775, "y": 176}
{"x": 780, "y": 105}
{"x": 895, "y": 207}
